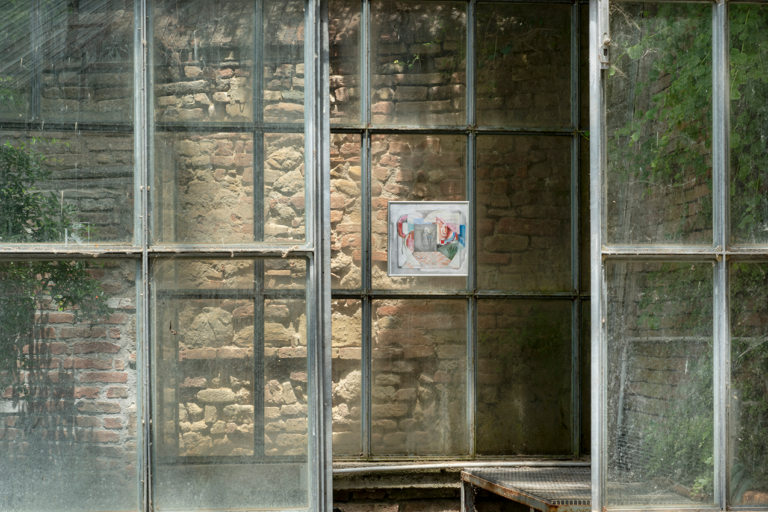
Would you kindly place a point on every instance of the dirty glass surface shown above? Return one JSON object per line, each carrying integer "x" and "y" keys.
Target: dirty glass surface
{"x": 660, "y": 424}
{"x": 344, "y": 40}
{"x": 203, "y": 61}
{"x": 68, "y": 386}
{"x": 230, "y": 380}
{"x": 586, "y": 383}
{"x": 66, "y": 187}
{"x": 523, "y": 213}
{"x": 419, "y": 389}
{"x": 346, "y": 219}
{"x": 749, "y": 123}
{"x": 523, "y": 64}
{"x": 524, "y": 377}
{"x": 659, "y": 124}
{"x": 205, "y": 188}
{"x": 346, "y": 353}
{"x": 428, "y": 167}
{"x": 418, "y": 68}
{"x": 748, "y": 449}
{"x": 66, "y": 62}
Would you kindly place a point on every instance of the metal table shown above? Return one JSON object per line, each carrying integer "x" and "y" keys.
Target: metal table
{"x": 547, "y": 489}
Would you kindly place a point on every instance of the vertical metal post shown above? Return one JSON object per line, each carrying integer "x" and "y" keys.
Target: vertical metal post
{"x": 472, "y": 340}
{"x": 321, "y": 369}
{"x": 721, "y": 224}
{"x": 575, "y": 239}
{"x": 365, "y": 72}
{"x": 141, "y": 138}
{"x": 365, "y": 281}
{"x": 597, "y": 164}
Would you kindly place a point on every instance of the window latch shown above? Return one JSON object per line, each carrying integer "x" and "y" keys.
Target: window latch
{"x": 604, "y": 34}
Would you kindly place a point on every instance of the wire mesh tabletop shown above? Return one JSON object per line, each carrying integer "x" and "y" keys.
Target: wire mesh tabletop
{"x": 548, "y": 486}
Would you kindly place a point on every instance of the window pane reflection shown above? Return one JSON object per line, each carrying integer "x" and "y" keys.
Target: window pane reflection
{"x": 524, "y": 377}
{"x": 419, "y": 373}
{"x": 660, "y": 431}
{"x": 231, "y": 396}
{"x": 346, "y": 321}
{"x": 748, "y": 417}
{"x": 659, "y": 124}
{"x": 418, "y": 73}
{"x": 68, "y": 386}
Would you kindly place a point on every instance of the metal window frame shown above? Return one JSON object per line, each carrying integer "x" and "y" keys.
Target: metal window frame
{"x": 720, "y": 253}
{"x": 471, "y": 294}
{"x": 315, "y": 250}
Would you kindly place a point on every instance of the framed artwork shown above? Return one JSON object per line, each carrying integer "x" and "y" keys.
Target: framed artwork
{"x": 427, "y": 238}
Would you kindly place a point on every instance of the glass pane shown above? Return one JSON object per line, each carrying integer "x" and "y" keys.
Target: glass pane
{"x": 586, "y": 383}
{"x": 73, "y": 188}
{"x": 205, "y": 185}
{"x": 230, "y": 374}
{"x": 418, "y": 68}
{"x": 584, "y": 68}
{"x": 748, "y": 416}
{"x": 749, "y": 124}
{"x": 203, "y": 69}
{"x": 659, "y": 124}
{"x": 283, "y": 61}
{"x": 523, "y": 64}
{"x": 284, "y": 184}
{"x": 660, "y": 425}
{"x": 87, "y": 60}
{"x": 65, "y": 62}
{"x": 346, "y": 233}
{"x": 524, "y": 377}
{"x": 523, "y": 213}
{"x": 68, "y": 396}
{"x": 413, "y": 168}
{"x": 15, "y": 44}
{"x": 346, "y": 322}
{"x": 419, "y": 387}
{"x": 344, "y": 38}
{"x": 584, "y": 221}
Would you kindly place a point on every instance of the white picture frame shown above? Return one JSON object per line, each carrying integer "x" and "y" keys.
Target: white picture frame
{"x": 428, "y": 238}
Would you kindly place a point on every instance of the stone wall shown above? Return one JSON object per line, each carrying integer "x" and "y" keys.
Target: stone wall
{"x": 210, "y": 353}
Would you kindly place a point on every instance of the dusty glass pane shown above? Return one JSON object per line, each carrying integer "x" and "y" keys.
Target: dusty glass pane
{"x": 523, "y": 377}
{"x": 344, "y": 40}
{"x": 584, "y": 68}
{"x": 204, "y": 188}
{"x": 15, "y": 44}
{"x": 230, "y": 381}
{"x": 418, "y": 68}
{"x": 523, "y": 213}
{"x": 68, "y": 399}
{"x": 584, "y": 221}
{"x": 748, "y": 417}
{"x": 412, "y": 168}
{"x": 65, "y": 62}
{"x": 346, "y": 322}
{"x": 346, "y": 235}
{"x": 418, "y": 377}
{"x": 660, "y": 425}
{"x": 203, "y": 60}
{"x": 285, "y": 274}
{"x": 659, "y": 124}
{"x": 283, "y": 61}
{"x": 73, "y": 188}
{"x": 523, "y": 64}
{"x": 586, "y": 384}
{"x": 749, "y": 123}
{"x": 284, "y": 182}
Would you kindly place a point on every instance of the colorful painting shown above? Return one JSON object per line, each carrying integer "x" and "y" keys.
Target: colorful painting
{"x": 428, "y": 238}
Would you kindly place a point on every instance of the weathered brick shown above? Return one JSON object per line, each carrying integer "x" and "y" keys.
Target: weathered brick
{"x": 89, "y": 347}
{"x": 104, "y": 377}
{"x": 117, "y": 392}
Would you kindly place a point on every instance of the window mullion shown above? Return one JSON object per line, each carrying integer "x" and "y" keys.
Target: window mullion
{"x": 598, "y": 363}
{"x": 721, "y": 224}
